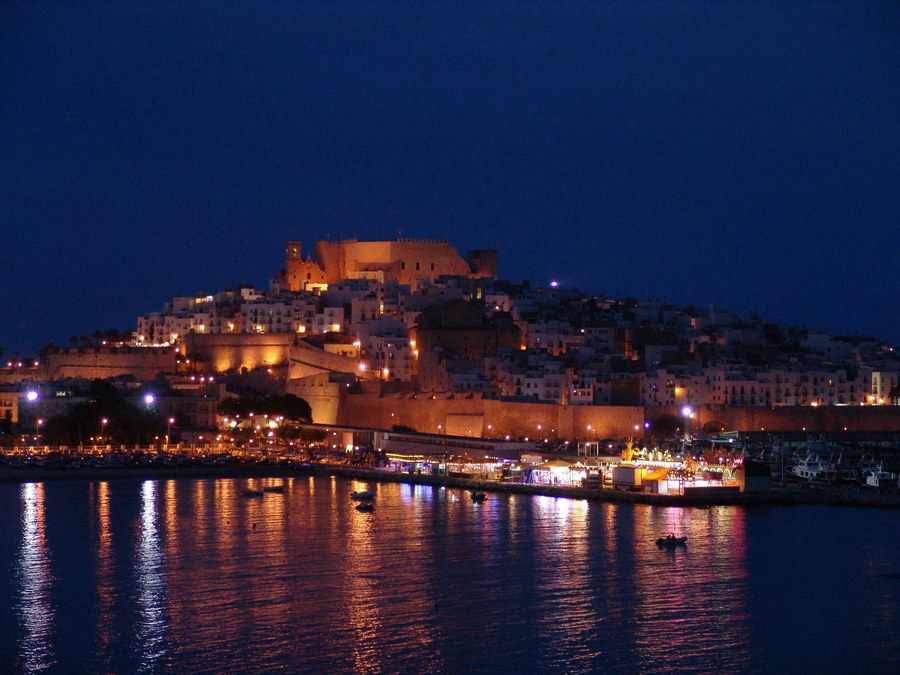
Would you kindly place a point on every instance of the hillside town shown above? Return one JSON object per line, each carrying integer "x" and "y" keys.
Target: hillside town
{"x": 412, "y": 320}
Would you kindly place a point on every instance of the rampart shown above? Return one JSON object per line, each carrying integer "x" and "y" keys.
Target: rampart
{"x": 239, "y": 351}
{"x": 793, "y": 418}
{"x": 143, "y": 363}
{"x": 223, "y": 352}
{"x": 307, "y": 360}
{"x": 463, "y": 416}
{"x": 404, "y": 260}
{"x": 491, "y": 418}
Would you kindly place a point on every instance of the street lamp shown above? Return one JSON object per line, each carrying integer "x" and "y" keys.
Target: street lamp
{"x": 103, "y": 423}
{"x": 688, "y": 413}
{"x": 149, "y": 399}
{"x": 169, "y": 424}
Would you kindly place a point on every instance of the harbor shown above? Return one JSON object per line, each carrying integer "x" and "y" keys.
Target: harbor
{"x": 224, "y": 462}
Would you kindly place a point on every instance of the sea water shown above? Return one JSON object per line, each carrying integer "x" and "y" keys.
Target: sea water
{"x": 192, "y": 576}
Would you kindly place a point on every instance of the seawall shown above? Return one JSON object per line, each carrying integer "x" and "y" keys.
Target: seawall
{"x": 776, "y": 497}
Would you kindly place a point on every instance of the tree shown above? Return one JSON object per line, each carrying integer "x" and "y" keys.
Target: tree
{"x": 894, "y": 395}
{"x": 289, "y": 406}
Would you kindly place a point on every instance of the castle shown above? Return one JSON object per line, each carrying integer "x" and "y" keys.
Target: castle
{"x": 407, "y": 261}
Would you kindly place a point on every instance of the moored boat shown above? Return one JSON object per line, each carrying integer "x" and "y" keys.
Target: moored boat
{"x": 813, "y": 468}
{"x": 247, "y": 492}
{"x": 878, "y": 478}
{"x": 365, "y": 495}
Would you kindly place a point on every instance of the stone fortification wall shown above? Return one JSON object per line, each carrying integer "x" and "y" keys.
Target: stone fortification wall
{"x": 796, "y": 418}
{"x": 307, "y": 360}
{"x": 322, "y": 392}
{"x": 488, "y": 417}
{"x": 143, "y": 363}
{"x": 235, "y": 351}
{"x": 10, "y": 376}
{"x": 238, "y": 351}
{"x": 406, "y": 260}
{"x": 492, "y": 418}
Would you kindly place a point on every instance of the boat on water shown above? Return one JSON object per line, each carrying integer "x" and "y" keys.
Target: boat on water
{"x": 274, "y": 488}
{"x": 478, "y": 496}
{"x": 365, "y": 495}
{"x": 365, "y": 506}
{"x": 247, "y": 492}
{"x": 671, "y": 540}
{"x": 813, "y": 468}
{"x": 878, "y": 478}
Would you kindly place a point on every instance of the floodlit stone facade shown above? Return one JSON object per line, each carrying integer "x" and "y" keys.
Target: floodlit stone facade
{"x": 407, "y": 261}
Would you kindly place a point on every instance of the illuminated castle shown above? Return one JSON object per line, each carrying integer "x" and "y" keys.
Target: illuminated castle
{"x": 404, "y": 260}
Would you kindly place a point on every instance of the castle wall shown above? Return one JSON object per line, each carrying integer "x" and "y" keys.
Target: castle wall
{"x": 790, "y": 418}
{"x": 308, "y": 360}
{"x": 222, "y": 352}
{"x": 406, "y": 260}
{"x": 493, "y": 418}
{"x": 236, "y": 351}
{"x": 143, "y": 363}
{"x": 322, "y": 393}
{"x": 487, "y": 417}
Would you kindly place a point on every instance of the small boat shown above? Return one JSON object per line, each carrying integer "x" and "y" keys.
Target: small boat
{"x": 251, "y": 493}
{"x": 365, "y": 506}
{"x": 362, "y": 496}
{"x": 478, "y": 496}
{"x": 877, "y": 477}
{"x": 813, "y": 469}
{"x": 671, "y": 540}
{"x": 274, "y": 488}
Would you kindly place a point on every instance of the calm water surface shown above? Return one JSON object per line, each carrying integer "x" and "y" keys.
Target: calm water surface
{"x": 190, "y": 576}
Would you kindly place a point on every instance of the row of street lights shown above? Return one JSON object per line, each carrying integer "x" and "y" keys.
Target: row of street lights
{"x": 149, "y": 399}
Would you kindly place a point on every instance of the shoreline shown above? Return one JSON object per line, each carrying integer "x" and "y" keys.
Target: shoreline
{"x": 781, "y": 496}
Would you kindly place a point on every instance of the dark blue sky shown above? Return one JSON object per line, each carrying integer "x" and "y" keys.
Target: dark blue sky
{"x": 745, "y": 153}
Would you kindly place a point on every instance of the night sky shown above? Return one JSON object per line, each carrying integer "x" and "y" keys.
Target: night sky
{"x": 744, "y": 153}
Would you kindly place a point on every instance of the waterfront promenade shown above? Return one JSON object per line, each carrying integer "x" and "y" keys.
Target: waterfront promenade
{"x": 777, "y": 496}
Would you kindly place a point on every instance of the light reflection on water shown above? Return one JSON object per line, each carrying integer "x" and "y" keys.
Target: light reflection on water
{"x": 105, "y": 575}
{"x": 151, "y": 583}
{"x": 35, "y": 611}
{"x": 189, "y": 575}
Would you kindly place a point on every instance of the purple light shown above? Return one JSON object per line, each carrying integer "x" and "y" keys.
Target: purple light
{"x": 554, "y": 284}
